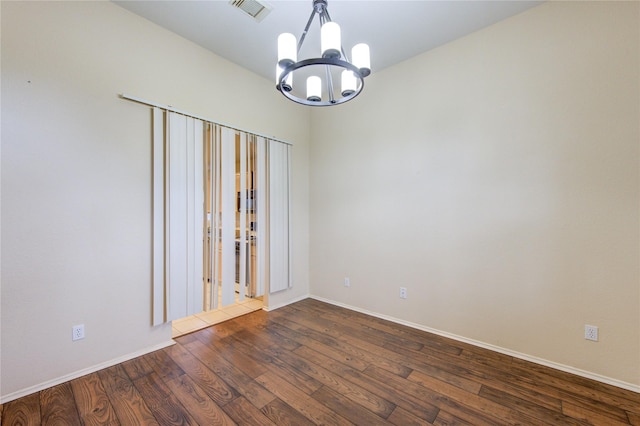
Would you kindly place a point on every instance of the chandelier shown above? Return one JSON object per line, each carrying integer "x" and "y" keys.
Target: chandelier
{"x": 333, "y": 64}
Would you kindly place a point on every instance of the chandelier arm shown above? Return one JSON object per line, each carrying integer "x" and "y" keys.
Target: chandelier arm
{"x": 306, "y": 29}
{"x": 327, "y": 16}
{"x": 330, "y": 84}
{"x": 344, "y": 55}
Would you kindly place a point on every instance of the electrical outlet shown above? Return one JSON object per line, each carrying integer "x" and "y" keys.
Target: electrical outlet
{"x": 347, "y": 282}
{"x": 403, "y": 292}
{"x": 77, "y": 332}
{"x": 591, "y": 332}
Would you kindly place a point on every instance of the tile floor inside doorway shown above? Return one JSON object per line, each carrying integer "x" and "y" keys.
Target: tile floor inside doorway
{"x": 206, "y": 319}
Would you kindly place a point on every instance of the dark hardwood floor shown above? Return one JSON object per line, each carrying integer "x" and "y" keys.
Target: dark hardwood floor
{"x": 314, "y": 363}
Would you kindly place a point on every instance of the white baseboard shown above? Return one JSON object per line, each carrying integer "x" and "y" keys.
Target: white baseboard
{"x": 603, "y": 379}
{"x": 50, "y": 383}
{"x": 297, "y": 299}
{"x": 546, "y": 363}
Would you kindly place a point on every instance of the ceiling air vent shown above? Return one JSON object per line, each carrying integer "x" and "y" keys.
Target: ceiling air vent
{"x": 254, "y": 8}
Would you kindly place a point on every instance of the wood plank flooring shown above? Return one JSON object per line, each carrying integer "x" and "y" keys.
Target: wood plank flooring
{"x": 314, "y": 363}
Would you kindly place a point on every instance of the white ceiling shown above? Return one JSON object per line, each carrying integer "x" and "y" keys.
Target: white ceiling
{"x": 394, "y": 29}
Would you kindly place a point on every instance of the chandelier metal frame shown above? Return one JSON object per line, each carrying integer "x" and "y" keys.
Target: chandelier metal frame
{"x": 326, "y": 61}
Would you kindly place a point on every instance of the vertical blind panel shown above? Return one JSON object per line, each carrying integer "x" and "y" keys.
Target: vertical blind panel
{"x": 287, "y": 222}
{"x": 207, "y": 257}
{"x": 242, "y": 231}
{"x": 261, "y": 215}
{"x": 216, "y": 217}
{"x": 190, "y": 223}
{"x": 228, "y": 228}
{"x": 177, "y": 216}
{"x": 158, "y": 307}
{"x": 198, "y": 218}
{"x": 279, "y": 254}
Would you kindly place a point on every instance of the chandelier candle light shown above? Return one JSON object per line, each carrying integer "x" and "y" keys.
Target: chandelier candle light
{"x": 332, "y": 62}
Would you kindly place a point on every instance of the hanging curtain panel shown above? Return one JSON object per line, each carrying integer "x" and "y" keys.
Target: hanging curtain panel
{"x": 159, "y": 312}
{"x": 242, "y": 236}
{"x": 214, "y": 216}
{"x": 279, "y": 220}
{"x": 228, "y": 214}
{"x": 195, "y": 216}
{"x": 217, "y": 184}
{"x": 260, "y": 202}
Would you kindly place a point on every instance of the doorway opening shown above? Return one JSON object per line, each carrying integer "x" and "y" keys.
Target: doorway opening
{"x": 234, "y": 171}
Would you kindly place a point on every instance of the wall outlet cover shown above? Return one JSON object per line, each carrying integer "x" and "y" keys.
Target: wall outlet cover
{"x": 403, "y": 292}
{"x": 591, "y": 332}
{"x": 77, "y": 332}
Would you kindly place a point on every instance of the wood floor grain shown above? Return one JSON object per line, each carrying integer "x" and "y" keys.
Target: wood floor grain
{"x": 312, "y": 363}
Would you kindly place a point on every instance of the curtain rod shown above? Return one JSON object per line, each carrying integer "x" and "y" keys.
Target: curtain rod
{"x": 188, "y": 114}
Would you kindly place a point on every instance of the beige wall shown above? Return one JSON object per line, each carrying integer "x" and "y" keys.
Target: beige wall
{"x": 497, "y": 179}
{"x": 76, "y": 177}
